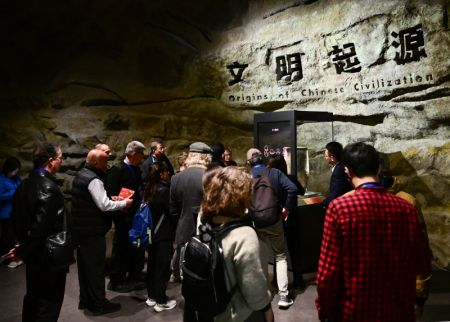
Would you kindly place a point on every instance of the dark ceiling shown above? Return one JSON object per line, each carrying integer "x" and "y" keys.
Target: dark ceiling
{"x": 41, "y": 39}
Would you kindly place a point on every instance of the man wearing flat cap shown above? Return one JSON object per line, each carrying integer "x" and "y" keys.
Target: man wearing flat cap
{"x": 186, "y": 194}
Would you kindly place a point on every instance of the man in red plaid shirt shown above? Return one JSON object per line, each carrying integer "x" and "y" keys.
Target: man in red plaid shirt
{"x": 372, "y": 249}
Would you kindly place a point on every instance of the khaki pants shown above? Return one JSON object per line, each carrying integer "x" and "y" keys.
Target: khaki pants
{"x": 273, "y": 237}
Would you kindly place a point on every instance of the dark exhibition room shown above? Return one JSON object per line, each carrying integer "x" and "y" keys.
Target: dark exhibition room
{"x": 225, "y": 160}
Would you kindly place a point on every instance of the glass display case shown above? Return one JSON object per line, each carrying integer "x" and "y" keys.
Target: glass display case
{"x": 291, "y": 134}
{"x": 288, "y": 131}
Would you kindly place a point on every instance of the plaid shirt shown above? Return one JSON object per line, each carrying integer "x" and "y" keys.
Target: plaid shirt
{"x": 372, "y": 250}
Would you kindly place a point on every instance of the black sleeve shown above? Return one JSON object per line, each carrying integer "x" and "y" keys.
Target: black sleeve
{"x": 174, "y": 203}
{"x": 114, "y": 181}
{"x": 339, "y": 185}
{"x": 300, "y": 189}
{"x": 169, "y": 165}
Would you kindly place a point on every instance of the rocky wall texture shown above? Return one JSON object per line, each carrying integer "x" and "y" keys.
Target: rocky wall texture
{"x": 85, "y": 72}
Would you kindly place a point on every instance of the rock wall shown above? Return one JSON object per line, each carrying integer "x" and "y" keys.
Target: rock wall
{"x": 85, "y": 72}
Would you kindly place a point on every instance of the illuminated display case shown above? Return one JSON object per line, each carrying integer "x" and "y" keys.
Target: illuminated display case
{"x": 277, "y": 133}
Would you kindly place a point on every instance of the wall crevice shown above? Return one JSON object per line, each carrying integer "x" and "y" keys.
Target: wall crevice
{"x": 370, "y": 120}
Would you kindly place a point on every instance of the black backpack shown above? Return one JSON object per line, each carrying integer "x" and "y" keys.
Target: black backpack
{"x": 265, "y": 209}
{"x": 203, "y": 288}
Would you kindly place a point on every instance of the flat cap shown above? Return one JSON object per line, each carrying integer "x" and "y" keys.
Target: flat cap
{"x": 200, "y": 147}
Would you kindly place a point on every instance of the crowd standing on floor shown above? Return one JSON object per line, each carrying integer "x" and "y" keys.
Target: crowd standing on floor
{"x": 374, "y": 262}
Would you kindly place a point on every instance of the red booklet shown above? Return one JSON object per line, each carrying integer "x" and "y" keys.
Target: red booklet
{"x": 125, "y": 193}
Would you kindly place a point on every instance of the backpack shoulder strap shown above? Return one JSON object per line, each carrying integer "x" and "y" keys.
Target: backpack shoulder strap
{"x": 222, "y": 231}
{"x": 146, "y": 214}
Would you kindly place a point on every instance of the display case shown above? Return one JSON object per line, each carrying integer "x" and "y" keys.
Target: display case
{"x": 278, "y": 132}
{"x": 291, "y": 133}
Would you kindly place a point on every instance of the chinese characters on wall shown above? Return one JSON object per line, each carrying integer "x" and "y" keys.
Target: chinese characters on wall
{"x": 409, "y": 44}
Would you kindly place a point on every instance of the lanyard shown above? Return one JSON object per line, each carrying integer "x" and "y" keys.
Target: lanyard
{"x": 41, "y": 170}
{"x": 370, "y": 185}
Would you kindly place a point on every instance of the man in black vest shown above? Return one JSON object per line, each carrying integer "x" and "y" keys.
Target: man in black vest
{"x": 91, "y": 222}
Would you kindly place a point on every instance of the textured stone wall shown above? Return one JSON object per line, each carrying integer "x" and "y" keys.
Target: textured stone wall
{"x": 85, "y": 72}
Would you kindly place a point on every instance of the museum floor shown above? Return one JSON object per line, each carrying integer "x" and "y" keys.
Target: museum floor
{"x": 12, "y": 287}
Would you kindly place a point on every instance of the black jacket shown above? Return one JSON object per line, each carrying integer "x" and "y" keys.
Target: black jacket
{"x": 38, "y": 212}
{"x": 124, "y": 176}
{"x": 150, "y": 160}
{"x": 186, "y": 193}
{"x": 160, "y": 206}
{"x": 339, "y": 184}
{"x": 87, "y": 218}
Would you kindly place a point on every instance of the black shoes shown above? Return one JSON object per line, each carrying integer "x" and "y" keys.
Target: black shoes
{"x": 120, "y": 288}
{"x": 137, "y": 282}
{"x": 107, "y": 307}
{"x": 299, "y": 285}
{"x": 139, "y": 286}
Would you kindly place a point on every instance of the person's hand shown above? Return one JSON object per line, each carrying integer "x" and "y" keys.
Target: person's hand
{"x": 128, "y": 202}
{"x": 116, "y": 198}
{"x": 285, "y": 214}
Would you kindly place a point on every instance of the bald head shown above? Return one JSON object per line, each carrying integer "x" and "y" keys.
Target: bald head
{"x": 97, "y": 159}
{"x": 103, "y": 147}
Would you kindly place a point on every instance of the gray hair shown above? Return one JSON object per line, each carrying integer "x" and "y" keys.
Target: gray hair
{"x": 134, "y": 146}
{"x": 196, "y": 159}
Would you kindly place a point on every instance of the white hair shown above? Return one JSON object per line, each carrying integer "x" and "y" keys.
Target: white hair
{"x": 134, "y": 146}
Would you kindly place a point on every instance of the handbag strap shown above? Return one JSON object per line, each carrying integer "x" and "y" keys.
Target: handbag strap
{"x": 159, "y": 223}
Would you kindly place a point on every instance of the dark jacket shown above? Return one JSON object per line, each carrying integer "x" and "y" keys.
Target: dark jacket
{"x": 215, "y": 163}
{"x": 160, "y": 206}
{"x": 339, "y": 184}
{"x": 87, "y": 218}
{"x": 124, "y": 176}
{"x": 150, "y": 160}
{"x": 38, "y": 211}
{"x": 186, "y": 193}
{"x": 285, "y": 189}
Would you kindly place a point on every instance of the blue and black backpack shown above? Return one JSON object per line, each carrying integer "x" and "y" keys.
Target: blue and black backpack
{"x": 140, "y": 234}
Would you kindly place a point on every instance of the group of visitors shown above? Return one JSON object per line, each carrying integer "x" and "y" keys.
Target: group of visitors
{"x": 373, "y": 247}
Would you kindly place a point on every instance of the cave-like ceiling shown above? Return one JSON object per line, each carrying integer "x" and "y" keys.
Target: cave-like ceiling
{"x": 42, "y": 39}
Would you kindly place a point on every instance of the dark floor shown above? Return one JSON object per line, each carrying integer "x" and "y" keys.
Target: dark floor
{"x": 12, "y": 288}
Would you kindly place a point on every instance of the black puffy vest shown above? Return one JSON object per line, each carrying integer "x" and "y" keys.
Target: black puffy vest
{"x": 87, "y": 218}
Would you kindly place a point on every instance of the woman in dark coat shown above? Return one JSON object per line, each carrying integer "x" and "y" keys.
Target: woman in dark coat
{"x": 156, "y": 195}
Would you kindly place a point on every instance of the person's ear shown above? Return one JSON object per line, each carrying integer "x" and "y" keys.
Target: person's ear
{"x": 379, "y": 170}
{"x": 347, "y": 172}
